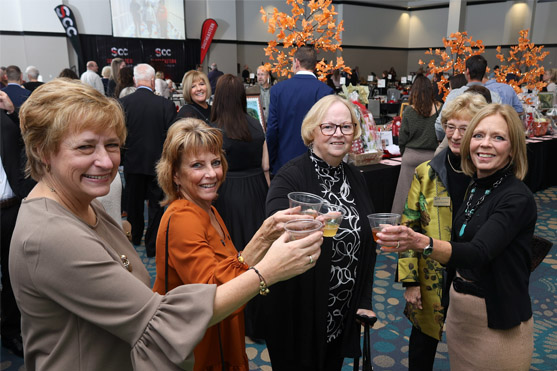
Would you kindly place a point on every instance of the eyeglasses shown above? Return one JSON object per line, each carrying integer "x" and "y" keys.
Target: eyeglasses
{"x": 330, "y": 129}
{"x": 451, "y": 128}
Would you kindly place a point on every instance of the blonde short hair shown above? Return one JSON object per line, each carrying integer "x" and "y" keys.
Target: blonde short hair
{"x": 189, "y": 79}
{"x": 58, "y": 108}
{"x": 186, "y": 137}
{"x": 463, "y": 107}
{"x": 516, "y": 137}
{"x": 317, "y": 113}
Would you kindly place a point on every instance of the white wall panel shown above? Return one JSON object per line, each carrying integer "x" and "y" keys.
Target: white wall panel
{"x": 545, "y": 24}
{"x": 368, "y": 26}
{"x": 427, "y": 28}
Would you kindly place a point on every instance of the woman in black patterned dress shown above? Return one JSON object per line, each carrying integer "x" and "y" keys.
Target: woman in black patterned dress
{"x": 311, "y": 320}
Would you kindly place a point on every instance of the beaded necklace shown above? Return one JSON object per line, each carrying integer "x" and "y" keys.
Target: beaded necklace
{"x": 470, "y": 210}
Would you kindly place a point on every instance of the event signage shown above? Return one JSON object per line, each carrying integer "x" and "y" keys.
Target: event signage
{"x": 65, "y": 15}
{"x": 172, "y": 57}
{"x": 207, "y": 32}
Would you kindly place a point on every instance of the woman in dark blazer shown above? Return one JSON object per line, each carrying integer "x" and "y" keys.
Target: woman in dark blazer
{"x": 310, "y": 322}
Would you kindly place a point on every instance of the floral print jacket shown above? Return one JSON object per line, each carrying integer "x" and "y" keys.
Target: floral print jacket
{"x": 428, "y": 210}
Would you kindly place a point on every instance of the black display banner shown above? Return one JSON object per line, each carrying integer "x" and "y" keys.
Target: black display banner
{"x": 173, "y": 57}
{"x": 167, "y": 56}
{"x": 65, "y": 15}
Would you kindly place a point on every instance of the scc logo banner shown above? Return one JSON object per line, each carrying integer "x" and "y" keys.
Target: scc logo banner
{"x": 66, "y": 18}
{"x": 163, "y": 52}
{"x": 119, "y": 52}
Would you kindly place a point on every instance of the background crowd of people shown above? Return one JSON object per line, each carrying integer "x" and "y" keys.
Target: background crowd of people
{"x": 216, "y": 181}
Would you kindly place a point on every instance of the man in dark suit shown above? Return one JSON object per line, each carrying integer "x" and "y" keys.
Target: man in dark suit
{"x": 13, "y": 188}
{"x": 290, "y": 101}
{"x": 213, "y": 76}
{"x": 148, "y": 117}
{"x": 15, "y": 91}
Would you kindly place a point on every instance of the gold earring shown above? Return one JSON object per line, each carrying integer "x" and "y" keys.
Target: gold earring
{"x": 48, "y": 168}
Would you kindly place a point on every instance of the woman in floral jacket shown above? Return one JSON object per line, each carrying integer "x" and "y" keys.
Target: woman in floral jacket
{"x": 436, "y": 193}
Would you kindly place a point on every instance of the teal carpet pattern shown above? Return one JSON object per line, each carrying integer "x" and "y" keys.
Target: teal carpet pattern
{"x": 389, "y": 337}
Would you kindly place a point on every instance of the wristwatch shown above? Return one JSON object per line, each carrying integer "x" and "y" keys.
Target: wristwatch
{"x": 428, "y": 249}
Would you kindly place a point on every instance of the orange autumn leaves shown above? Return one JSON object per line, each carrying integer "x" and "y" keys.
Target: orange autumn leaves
{"x": 460, "y": 46}
{"x": 523, "y": 61}
{"x": 311, "y": 23}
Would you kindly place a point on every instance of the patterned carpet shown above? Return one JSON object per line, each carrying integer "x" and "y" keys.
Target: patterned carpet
{"x": 390, "y": 334}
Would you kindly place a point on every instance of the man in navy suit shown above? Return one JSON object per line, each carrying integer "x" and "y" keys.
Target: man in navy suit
{"x": 290, "y": 101}
{"x": 148, "y": 117}
{"x": 15, "y": 91}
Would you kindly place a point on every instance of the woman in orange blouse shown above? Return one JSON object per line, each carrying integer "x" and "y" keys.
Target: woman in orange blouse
{"x": 191, "y": 169}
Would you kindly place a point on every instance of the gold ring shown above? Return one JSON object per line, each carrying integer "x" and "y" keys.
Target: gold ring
{"x": 397, "y": 244}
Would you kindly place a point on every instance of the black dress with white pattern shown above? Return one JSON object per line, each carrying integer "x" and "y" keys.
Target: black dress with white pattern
{"x": 336, "y": 190}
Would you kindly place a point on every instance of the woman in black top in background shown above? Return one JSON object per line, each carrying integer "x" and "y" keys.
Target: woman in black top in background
{"x": 197, "y": 90}
{"x": 241, "y": 201}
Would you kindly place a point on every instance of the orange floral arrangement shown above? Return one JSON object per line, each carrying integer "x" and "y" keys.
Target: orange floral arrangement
{"x": 311, "y": 23}
{"x": 523, "y": 61}
{"x": 458, "y": 47}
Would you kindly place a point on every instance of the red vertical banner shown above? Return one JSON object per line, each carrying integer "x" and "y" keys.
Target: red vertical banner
{"x": 207, "y": 32}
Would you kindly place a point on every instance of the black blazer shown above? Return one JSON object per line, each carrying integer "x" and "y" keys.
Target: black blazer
{"x": 495, "y": 250}
{"x": 148, "y": 117}
{"x": 13, "y": 155}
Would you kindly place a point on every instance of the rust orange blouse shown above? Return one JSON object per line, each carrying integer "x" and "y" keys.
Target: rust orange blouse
{"x": 197, "y": 254}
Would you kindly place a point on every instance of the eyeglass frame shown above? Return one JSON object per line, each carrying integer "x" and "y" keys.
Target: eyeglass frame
{"x": 337, "y": 127}
{"x": 461, "y": 130}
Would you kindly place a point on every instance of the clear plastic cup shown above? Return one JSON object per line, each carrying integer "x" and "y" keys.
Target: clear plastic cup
{"x": 380, "y": 220}
{"x": 301, "y": 228}
{"x": 332, "y": 216}
{"x": 309, "y": 203}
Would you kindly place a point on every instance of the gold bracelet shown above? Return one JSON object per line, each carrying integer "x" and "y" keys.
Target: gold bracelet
{"x": 241, "y": 259}
{"x": 263, "y": 289}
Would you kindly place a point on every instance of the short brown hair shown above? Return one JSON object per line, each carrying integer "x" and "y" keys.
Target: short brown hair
{"x": 185, "y": 137}
{"x": 307, "y": 56}
{"x": 189, "y": 79}
{"x": 317, "y": 113}
{"x": 58, "y": 108}
{"x": 463, "y": 107}
{"x": 516, "y": 137}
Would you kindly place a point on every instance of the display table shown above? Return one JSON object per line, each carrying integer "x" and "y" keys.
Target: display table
{"x": 542, "y": 158}
{"x": 381, "y": 182}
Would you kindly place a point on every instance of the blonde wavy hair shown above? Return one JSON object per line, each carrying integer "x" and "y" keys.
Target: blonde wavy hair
{"x": 59, "y": 108}
{"x": 189, "y": 79}
{"x": 516, "y": 137}
{"x": 188, "y": 136}
{"x": 463, "y": 107}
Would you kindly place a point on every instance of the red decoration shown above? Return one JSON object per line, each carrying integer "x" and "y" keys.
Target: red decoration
{"x": 207, "y": 32}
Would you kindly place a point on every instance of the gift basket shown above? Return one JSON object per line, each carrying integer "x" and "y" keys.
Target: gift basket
{"x": 536, "y": 124}
{"x": 367, "y": 149}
